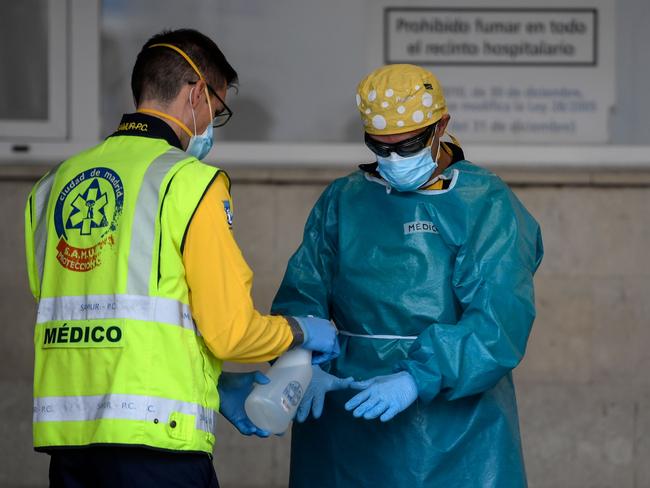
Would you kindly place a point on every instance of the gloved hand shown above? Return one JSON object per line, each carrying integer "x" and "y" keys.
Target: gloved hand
{"x": 320, "y": 337}
{"x": 233, "y": 389}
{"x": 321, "y": 383}
{"x": 383, "y": 395}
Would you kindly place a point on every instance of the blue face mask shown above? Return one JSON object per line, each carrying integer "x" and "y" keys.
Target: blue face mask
{"x": 200, "y": 144}
{"x": 407, "y": 173}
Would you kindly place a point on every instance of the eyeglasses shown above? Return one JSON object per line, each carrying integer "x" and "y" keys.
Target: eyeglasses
{"x": 222, "y": 117}
{"x": 407, "y": 147}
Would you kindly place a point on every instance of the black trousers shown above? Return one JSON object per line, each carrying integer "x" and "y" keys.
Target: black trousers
{"x": 117, "y": 466}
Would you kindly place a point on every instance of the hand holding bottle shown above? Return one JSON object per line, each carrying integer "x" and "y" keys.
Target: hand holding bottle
{"x": 320, "y": 337}
{"x": 233, "y": 389}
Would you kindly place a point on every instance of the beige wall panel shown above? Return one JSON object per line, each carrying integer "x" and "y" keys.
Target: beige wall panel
{"x": 576, "y": 436}
{"x": 559, "y": 348}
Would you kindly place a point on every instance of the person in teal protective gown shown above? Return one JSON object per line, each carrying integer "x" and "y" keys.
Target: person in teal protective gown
{"x": 427, "y": 272}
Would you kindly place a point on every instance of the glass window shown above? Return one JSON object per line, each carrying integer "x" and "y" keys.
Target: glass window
{"x": 24, "y": 80}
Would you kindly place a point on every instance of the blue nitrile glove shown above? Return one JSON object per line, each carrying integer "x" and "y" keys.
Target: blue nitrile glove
{"x": 383, "y": 395}
{"x": 233, "y": 389}
{"x": 321, "y": 383}
{"x": 320, "y": 337}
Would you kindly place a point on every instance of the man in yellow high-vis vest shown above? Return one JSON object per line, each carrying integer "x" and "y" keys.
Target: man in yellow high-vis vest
{"x": 142, "y": 290}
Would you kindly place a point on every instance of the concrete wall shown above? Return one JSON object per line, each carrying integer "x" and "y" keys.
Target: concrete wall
{"x": 584, "y": 388}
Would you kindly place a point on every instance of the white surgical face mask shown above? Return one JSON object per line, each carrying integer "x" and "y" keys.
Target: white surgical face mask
{"x": 200, "y": 144}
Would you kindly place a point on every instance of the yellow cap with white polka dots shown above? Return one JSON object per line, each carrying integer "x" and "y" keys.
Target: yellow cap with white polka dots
{"x": 399, "y": 98}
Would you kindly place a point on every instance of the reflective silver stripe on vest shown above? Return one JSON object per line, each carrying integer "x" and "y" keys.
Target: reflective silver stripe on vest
{"x": 118, "y": 406}
{"x": 41, "y": 199}
{"x": 92, "y": 307}
{"x": 383, "y": 337}
{"x": 144, "y": 221}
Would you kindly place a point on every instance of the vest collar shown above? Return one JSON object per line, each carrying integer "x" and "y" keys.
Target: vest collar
{"x": 144, "y": 125}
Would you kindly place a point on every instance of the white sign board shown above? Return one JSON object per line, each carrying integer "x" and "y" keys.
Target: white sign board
{"x": 513, "y": 74}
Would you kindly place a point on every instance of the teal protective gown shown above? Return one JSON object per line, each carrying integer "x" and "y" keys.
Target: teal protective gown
{"x": 445, "y": 280}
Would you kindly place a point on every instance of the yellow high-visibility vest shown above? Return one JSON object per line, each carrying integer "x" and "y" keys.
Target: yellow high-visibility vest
{"x": 118, "y": 357}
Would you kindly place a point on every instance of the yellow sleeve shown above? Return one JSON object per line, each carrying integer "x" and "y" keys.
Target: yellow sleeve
{"x": 220, "y": 284}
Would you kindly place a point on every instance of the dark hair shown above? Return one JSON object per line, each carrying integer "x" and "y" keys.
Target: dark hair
{"x": 160, "y": 72}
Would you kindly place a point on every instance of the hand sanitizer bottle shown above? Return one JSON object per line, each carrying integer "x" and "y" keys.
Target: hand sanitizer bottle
{"x": 272, "y": 406}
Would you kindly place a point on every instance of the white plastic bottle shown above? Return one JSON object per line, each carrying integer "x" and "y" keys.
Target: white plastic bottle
{"x": 272, "y": 406}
